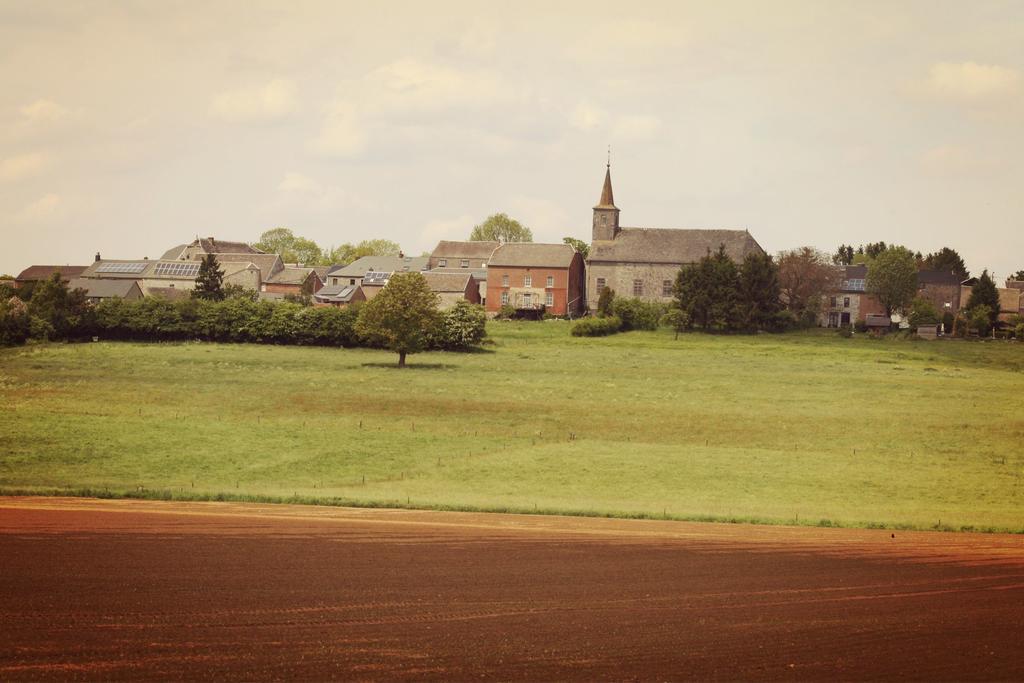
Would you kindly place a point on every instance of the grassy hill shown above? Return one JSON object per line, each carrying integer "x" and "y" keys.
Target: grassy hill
{"x": 776, "y": 428}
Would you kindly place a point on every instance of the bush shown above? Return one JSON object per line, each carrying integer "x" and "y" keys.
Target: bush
{"x": 597, "y": 327}
{"x": 506, "y": 312}
{"x": 922, "y": 313}
{"x": 460, "y": 327}
{"x": 15, "y": 326}
{"x": 636, "y": 314}
{"x": 979, "y": 319}
{"x": 1018, "y": 332}
{"x": 604, "y": 301}
{"x": 860, "y": 326}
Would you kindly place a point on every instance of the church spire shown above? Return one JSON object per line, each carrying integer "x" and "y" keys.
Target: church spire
{"x": 607, "y": 199}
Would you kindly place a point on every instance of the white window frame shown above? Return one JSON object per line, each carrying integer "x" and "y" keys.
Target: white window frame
{"x": 442, "y": 262}
{"x": 464, "y": 263}
{"x": 527, "y": 280}
{"x": 504, "y": 281}
{"x": 504, "y": 298}
{"x": 549, "y": 299}
{"x": 551, "y": 281}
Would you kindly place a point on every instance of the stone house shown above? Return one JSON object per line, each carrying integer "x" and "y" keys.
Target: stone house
{"x": 941, "y": 288}
{"x": 466, "y": 255}
{"x": 293, "y": 280}
{"x": 160, "y": 276}
{"x": 850, "y": 303}
{"x": 643, "y": 262}
{"x": 201, "y": 246}
{"x": 353, "y": 273}
{"x": 452, "y": 288}
{"x": 530, "y": 276}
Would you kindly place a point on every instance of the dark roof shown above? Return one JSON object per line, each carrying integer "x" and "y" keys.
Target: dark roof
{"x": 173, "y": 253}
{"x": 214, "y": 246}
{"x": 533, "y": 255}
{"x": 671, "y": 246}
{"x": 448, "y": 282}
{"x": 937, "y": 277}
{"x": 607, "y": 201}
{"x": 36, "y": 273}
{"x": 105, "y": 289}
{"x": 476, "y": 251}
{"x": 337, "y": 293}
{"x": 857, "y": 272}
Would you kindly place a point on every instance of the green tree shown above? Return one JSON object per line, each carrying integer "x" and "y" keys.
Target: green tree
{"x": 55, "y": 311}
{"x": 291, "y": 248}
{"x": 706, "y": 291}
{"x": 14, "y": 321}
{"x": 985, "y": 293}
{"x": 578, "y": 245}
{"x": 675, "y": 319}
{"x": 605, "y": 301}
{"x": 844, "y": 255}
{"x": 500, "y": 228}
{"x": 946, "y": 260}
{"x": 923, "y": 312}
{"x": 1019, "y": 275}
{"x": 402, "y": 316}
{"x": 347, "y": 253}
{"x": 892, "y": 278}
{"x": 276, "y": 241}
{"x": 210, "y": 280}
{"x": 759, "y": 296}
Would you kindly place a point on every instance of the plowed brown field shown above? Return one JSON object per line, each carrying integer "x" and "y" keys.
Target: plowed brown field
{"x": 132, "y": 589}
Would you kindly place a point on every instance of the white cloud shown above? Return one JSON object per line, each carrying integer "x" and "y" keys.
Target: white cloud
{"x": 971, "y": 82}
{"x": 414, "y": 85}
{"x": 630, "y": 43}
{"x": 22, "y": 166}
{"x": 342, "y": 133}
{"x": 298, "y": 193}
{"x": 269, "y": 102}
{"x": 636, "y": 128}
{"x": 43, "y": 111}
{"x": 44, "y": 208}
{"x": 587, "y": 116}
{"x": 548, "y": 220}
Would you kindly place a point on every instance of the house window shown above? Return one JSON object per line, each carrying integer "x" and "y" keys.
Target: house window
{"x": 334, "y": 280}
{"x": 666, "y": 288}
{"x": 527, "y": 280}
{"x": 551, "y": 281}
{"x": 549, "y": 299}
{"x": 846, "y": 302}
{"x": 601, "y": 282}
{"x": 638, "y": 287}
{"x": 352, "y": 281}
{"x": 527, "y": 300}
{"x": 832, "y": 301}
{"x": 504, "y": 281}
{"x": 441, "y": 263}
{"x": 464, "y": 263}
{"x": 504, "y": 298}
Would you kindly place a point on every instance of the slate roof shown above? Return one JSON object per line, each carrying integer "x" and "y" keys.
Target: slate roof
{"x": 474, "y": 251}
{"x": 447, "y": 282}
{"x": 532, "y": 255}
{"x": 340, "y": 294}
{"x": 671, "y": 246}
{"x": 105, "y": 289}
{"x": 211, "y": 245}
{"x": 937, "y": 277}
{"x": 389, "y": 264}
{"x": 290, "y": 275}
{"x": 37, "y": 273}
{"x": 173, "y": 253}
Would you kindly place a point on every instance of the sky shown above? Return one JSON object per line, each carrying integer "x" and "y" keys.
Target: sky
{"x": 129, "y": 127}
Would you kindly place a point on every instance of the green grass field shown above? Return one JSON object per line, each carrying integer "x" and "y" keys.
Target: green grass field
{"x": 807, "y": 428}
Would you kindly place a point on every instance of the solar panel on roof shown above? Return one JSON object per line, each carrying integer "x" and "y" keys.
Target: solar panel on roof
{"x": 178, "y": 268}
{"x": 131, "y": 267}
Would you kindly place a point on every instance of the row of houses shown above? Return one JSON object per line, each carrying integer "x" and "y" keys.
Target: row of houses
{"x": 946, "y": 291}
{"x": 640, "y": 262}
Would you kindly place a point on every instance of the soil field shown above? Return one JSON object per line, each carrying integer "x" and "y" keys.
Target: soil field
{"x": 149, "y": 590}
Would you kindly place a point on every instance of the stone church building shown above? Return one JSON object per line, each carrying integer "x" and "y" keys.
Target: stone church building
{"x": 643, "y": 262}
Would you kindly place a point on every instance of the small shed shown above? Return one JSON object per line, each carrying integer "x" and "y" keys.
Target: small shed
{"x": 878, "y": 323}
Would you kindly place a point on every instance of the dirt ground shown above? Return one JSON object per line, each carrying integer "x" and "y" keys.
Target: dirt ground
{"x": 148, "y": 590}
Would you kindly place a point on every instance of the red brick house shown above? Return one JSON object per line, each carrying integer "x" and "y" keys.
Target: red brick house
{"x": 533, "y": 277}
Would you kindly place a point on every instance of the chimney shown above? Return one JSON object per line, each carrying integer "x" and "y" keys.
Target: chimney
{"x": 401, "y": 254}
{"x": 97, "y": 257}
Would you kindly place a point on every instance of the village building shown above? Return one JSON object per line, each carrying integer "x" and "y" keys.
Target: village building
{"x": 456, "y": 257}
{"x": 35, "y": 274}
{"x": 157, "y": 277}
{"x": 850, "y": 303}
{"x": 941, "y": 288}
{"x": 98, "y": 290}
{"x": 200, "y": 247}
{"x": 452, "y": 288}
{"x": 536, "y": 277}
{"x": 338, "y": 295}
{"x": 354, "y": 272}
{"x": 295, "y": 280}
{"x": 643, "y": 262}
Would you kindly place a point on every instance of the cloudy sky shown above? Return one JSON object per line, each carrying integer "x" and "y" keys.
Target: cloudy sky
{"x": 129, "y": 127}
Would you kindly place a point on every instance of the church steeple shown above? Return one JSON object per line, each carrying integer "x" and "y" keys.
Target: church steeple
{"x": 606, "y": 214}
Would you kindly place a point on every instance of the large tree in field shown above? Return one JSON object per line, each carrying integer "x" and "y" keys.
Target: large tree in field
{"x": 210, "y": 280}
{"x": 985, "y": 293}
{"x": 401, "y": 316}
{"x": 892, "y": 279}
{"x": 947, "y": 260}
{"x": 758, "y": 292}
{"x": 500, "y": 228}
{"x": 806, "y": 275}
{"x": 706, "y": 291}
